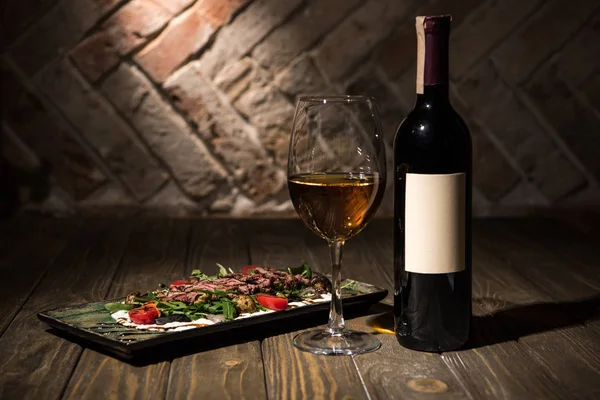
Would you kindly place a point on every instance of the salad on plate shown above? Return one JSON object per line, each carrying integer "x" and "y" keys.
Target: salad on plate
{"x": 202, "y": 300}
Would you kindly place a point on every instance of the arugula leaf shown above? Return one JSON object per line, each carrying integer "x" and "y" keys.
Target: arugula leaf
{"x": 143, "y": 300}
{"x": 348, "y": 285}
{"x": 146, "y": 297}
{"x": 303, "y": 270}
{"x": 114, "y": 307}
{"x": 229, "y": 311}
{"x": 222, "y": 271}
{"x": 171, "y": 306}
{"x": 193, "y": 315}
{"x": 200, "y": 275}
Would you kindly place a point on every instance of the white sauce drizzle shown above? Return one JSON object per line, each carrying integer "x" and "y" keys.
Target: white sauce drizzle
{"x": 122, "y": 317}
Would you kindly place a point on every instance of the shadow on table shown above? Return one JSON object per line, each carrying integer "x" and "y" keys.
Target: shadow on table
{"x": 184, "y": 347}
{"x": 516, "y": 321}
{"x": 513, "y": 321}
{"x": 510, "y": 323}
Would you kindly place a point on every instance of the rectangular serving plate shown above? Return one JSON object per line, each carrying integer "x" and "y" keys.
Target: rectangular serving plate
{"x": 92, "y": 323}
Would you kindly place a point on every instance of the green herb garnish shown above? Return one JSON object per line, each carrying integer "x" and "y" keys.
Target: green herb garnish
{"x": 114, "y": 307}
{"x": 303, "y": 270}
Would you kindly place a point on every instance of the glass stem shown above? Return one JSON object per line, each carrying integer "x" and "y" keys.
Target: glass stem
{"x": 336, "y": 314}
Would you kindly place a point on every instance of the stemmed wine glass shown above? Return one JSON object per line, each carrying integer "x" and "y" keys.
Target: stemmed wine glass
{"x": 336, "y": 179}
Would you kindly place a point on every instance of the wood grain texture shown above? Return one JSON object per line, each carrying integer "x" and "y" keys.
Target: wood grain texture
{"x": 524, "y": 343}
{"x": 503, "y": 365}
{"x": 573, "y": 349}
{"x": 546, "y": 265}
{"x": 231, "y": 372}
{"x": 23, "y": 268}
{"x": 392, "y": 371}
{"x": 536, "y": 315}
{"x": 291, "y": 373}
{"x": 34, "y": 363}
{"x": 155, "y": 254}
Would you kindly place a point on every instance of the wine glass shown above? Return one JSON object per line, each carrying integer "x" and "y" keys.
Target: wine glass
{"x": 336, "y": 179}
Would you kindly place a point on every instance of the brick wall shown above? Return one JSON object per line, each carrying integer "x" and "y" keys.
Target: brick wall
{"x": 185, "y": 106}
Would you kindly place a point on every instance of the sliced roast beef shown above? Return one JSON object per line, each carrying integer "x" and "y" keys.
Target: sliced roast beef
{"x": 263, "y": 280}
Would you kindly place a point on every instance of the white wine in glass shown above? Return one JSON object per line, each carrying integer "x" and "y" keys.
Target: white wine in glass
{"x": 336, "y": 179}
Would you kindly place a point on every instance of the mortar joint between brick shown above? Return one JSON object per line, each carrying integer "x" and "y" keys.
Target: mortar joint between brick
{"x": 137, "y": 138}
{"x": 211, "y": 40}
{"x": 55, "y": 188}
{"x": 551, "y": 131}
{"x": 54, "y": 184}
{"x": 553, "y": 56}
{"x": 328, "y": 82}
{"x": 393, "y": 88}
{"x": 9, "y": 133}
{"x": 159, "y": 189}
{"x": 166, "y": 99}
{"x": 250, "y": 129}
{"x": 98, "y": 25}
{"x": 320, "y": 39}
{"x": 500, "y": 147}
{"x": 225, "y": 101}
{"x": 287, "y": 19}
{"x": 184, "y": 9}
{"x": 496, "y": 44}
{"x": 65, "y": 122}
{"x": 149, "y": 150}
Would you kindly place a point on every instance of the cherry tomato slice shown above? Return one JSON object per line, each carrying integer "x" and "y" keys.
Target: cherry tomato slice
{"x": 272, "y": 302}
{"x": 246, "y": 270}
{"x": 179, "y": 283}
{"x": 145, "y": 314}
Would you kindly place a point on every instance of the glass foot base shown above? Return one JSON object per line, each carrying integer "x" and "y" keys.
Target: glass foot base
{"x": 319, "y": 341}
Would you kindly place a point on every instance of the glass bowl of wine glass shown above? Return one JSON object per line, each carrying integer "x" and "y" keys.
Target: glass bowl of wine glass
{"x": 336, "y": 180}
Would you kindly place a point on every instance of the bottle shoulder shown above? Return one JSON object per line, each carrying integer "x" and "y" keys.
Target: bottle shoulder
{"x": 432, "y": 114}
{"x": 432, "y": 137}
{"x": 443, "y": 123}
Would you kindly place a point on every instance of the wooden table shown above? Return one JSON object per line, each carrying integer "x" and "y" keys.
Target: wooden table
{"x": 536, "y": 327}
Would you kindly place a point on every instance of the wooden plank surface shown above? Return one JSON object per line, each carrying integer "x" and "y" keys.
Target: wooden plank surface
{"x": 230, "y": 372}
{"x": 547, "y": 323}
{"x": 27, "y": 249}
{"x": 503, "y": 366}
{"x": 536, "y": 331}
{"x": 35, "y": 364}
{"x": 290, "y": 373}
{"x": 156, "y": 253}
{"x": 394, "y": 372}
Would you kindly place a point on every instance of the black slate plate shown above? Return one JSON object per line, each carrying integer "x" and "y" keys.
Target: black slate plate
{"x": 93, "y": 325}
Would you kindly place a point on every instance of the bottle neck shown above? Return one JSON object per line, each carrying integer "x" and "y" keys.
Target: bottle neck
{"x": 433, "y": 35}
{"x": 434, "y": 94}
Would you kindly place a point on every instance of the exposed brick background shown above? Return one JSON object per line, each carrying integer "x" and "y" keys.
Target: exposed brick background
{"x": 185, "y": 106}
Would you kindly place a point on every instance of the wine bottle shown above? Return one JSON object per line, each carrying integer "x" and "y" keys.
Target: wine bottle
{"x": 432, "y": 206}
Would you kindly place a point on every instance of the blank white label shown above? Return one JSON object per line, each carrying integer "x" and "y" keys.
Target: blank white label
{"x": 435, "y": 223}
